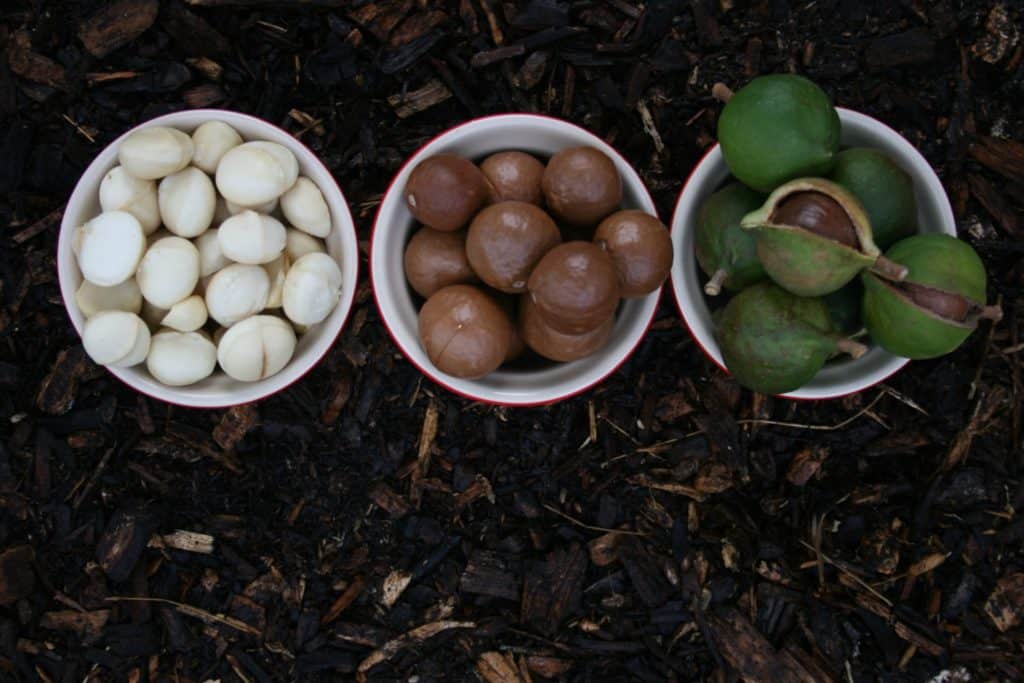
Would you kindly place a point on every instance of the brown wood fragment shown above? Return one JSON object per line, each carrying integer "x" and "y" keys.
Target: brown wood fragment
{"x": 117, "y": 25}
{"x": 492, "y": 21}
{"x": 748, "y": 652}
{"x": 996, "y": 204}
{"x": 380, "y": 18}
{"x": 984, "y": 411}
{"x": 480, "y": 488}
{"x": 195, "y": 36}
{"x": 234, "y": 424}
{"x": 385, "y": 497}
{"x": 645, "y": 574}
{"x": 604, "y": 550}
{"x": 204, "y": 95}
{"x": 548, "y": 667}
{"x": 498, "y": 54}
{"x": 32, "y": 66}
{"x": 207, "y": 67}
{"x": 247, "y": 611}
{"x": 486, "y": 573}
{"x": 667, "y": 486}
{"x": 915, "y": 46}
{"x": 416, "y": 26}
{"x": 552, "y": 589}
{"x": 16, "y": 576}
{"x": 343, "y": 601}
{"x": 88, "y": 625}
{"x": 393, "y": 586}
{"x": 495, "y": 667}
{"x": 50, "y": 221}
{"x": 672, "y": 407}
{"x": 57, "y": 392}
{"x": 428, "y": 432}
{"x": 1005, "y": 157}
{"x": 432, "y": 93}
{"x": 1001, "y": 36}
{"x": 1005, "y": 605}
{"x": 416, "y": 636}
{"x": 532, "y": 70}
{"x": 122, "y": 543}
{"x": 713, "y": 478}
{"x": 188, "y": 541}
{"x": 806, "y": 464}
{"x": 341, "y": 391}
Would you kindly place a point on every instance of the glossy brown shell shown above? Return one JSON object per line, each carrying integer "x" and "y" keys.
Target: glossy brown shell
{"x": 514, "y": 176}
{"x": 435, "y": 259}
{"x": 555, "y": 345}
{"x": 445, "y": 191}
{"x": 505, "y": 242}
{"x": 641, "y": 248}
{"x": 464, "y": 332}
{"x": 581, "y": 186}
{"x": 576, "y": 287}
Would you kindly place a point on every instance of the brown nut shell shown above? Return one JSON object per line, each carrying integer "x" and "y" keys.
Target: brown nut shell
{"x": 505, "y": 242}
{"x": 581, "y": 185}
{"x": 555, "y": 345}
{"x": 444, "y": 191}
{"x": 435, "y": 259}
{"x": 464, "y": 332}
{"x": 514, "y": 176}
{"x": 641, "y": 248}
{"x": 575, "y": 287}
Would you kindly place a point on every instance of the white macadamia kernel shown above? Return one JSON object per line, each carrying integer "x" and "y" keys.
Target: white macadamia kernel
{"x": 237, "y": 292}
{"x": 265, "y": 207}
{"x": 188, "y": 315}
{"x": 211, "y": 258}
{"x": 121, "y": 191}
{"x": 298, "y": 244}
{"x": 116, "y": 338}
{"x": 178, "y": 359}
{"x": 284, "y": 157}
{"x": 256, "y": 348}
{"x": 109, "y": 247}
{"x": 276, "y": 272}
{"x": 249, "y": 175}
{"x": 212, "y": 140}
{"x": 155, "y": 152}
{"x": 252, "y": 238}
{"x": 93, "y": 299}
{"x": 305, "y": 208}
{"x": 169, "y": 271}
{"x": 187, "y": 202}
{"x": 311, "y": 289}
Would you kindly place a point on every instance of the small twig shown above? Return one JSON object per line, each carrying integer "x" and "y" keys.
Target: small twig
{"x": 821, "y": 428}
{"x": 83, "y": 132}
{"x": 190, "y": 611}
{"x": 846, "y": 571}
{"x": 591, "y": 527}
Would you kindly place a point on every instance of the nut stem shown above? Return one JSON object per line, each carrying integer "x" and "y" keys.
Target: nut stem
{"x": 890, "y": 270}
{"x": 721, "y": 92}
{"x": 993, "y": 313}
{"x": 714, "y": 285}
{"x": 855, "y": 349}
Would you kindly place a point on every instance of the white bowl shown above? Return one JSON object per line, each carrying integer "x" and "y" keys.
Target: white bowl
{"x": 541, "y": 136}
{"x": 219, "y": 390}
{"x": 838, "y": 378}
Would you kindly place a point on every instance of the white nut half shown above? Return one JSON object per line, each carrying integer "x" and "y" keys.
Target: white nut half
{"x": 276, "y": 272}
{"x": 188, "y": 315}
{"x": 237, "y": 292}
{"x": 116, "y": 338}
{"x": 109, "y": 247}
{"x": 256, "y": 348}
{"x": 169, "y": 271}
{"x": 265, "y": 207}
{"x": 298, "y": 244}
{"x": 284, "y": 157}
{"x": 311, "y": 289}
{"x": 121, "y": 191}
{"x": 211, "y": 258}
{"x": 305, "y": 208}
{"x": 212, "y": 140}
{"x": 251, "y": 237}
{"x": 155, "y": 152}
{"x": 92, "y": 299}
{"x": 187, "y": 202}
{"x": 250, "y": 175}
{"x": 181, "y": 358}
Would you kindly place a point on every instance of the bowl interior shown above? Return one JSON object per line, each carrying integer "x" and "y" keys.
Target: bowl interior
{"x": 220, "y": 390}
{"x": 840, "y": 377}
{"x": 542, "y": 137}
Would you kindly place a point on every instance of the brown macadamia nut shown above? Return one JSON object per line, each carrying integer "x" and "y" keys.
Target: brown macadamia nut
{"x": 464, "y": 332}
{"x": 436, "y": 259}
{"x": 514, "y": 176}
{"x": 581, "y": 185}
{"x": 505, "y": 242}
{"x": 640, "y": 246}
{"x": 555, "y": 345}
{"x": 575, "y": 287}
{"x": 445, "y": 191}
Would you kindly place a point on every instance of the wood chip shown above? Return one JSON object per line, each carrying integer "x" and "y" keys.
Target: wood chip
{"x": 428, "y": 432}
{"x": 1005, "y": 606}
{"x": 1005, "y": 157}
{"x": 421, "y": 99}
{"x": 385, "y": 497}
{"x": 122, "y": 543}
{"x": 749, "y": 652}
{"x": 342, "y": 603}
{"x": 57, "y": 392}
{"x": 394, "y": 585}
{"x": 189, "y": 541}
{"x": 552, "y": 589}
{"x": 806, "y": 464}
{"x": 495, "y": 667}
{"x": 414, "y": 637}
{"x": 17, "y": 578}
{"x": 235, "y": 424}
{"x": 487, "y": 573}
{"x": 117, "y": 25}
{"x": 667, "y": 486}
{"x": 32, "y": 66}
{"x": 88, "y": 625}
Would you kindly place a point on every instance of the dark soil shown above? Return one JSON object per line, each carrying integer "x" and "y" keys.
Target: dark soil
{"x": 664, "y": 526}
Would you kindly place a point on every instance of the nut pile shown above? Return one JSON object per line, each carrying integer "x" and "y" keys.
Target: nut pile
{"x": 516, "y": 254}
{"x": 208, "y": 251}
{"x": 798, "y": 236}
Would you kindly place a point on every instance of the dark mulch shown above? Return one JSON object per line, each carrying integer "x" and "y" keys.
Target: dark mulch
{"x": 665, "y": 525}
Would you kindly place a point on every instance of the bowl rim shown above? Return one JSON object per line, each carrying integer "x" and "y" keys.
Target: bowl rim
{"x": 66, "y": 228}
{"x": 429, "y": 372}
{"x": 677, "y": 287}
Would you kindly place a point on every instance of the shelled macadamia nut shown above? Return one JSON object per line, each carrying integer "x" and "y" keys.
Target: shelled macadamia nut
{"x": 116, "y": 338}
{"x": 169, "y": 271}
{"x": 178, "y": 359}
{"x": 305, "y": 208}
{"x": 109, "y": 247}
{"x": 121, "y": 191}
{"x": 212, "y": 140}
{"x": 249, "y": 175}
{"x": 256, "y": 348}
{"x": 252, "y": 238}
{"x": 237, "y": 292}
{"x": 298, "y": 244}
{"x": 155, "y": 152}
{"x": 312, "y": 288}
{"x": 211, "y": 258}
{"x": 188, "y": 315}
{"x": 187, "y": 202}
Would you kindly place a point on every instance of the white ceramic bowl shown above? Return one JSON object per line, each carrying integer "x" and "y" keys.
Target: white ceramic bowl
{"x": 541, "y": 136}
{"x": 219, "y": 390}
{"x": 838, "y": 378}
